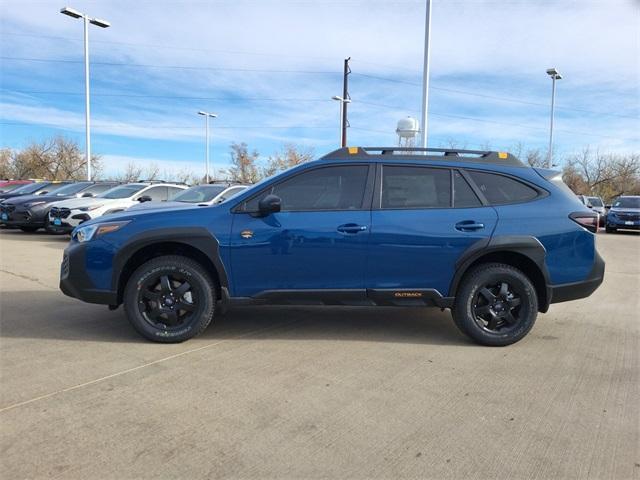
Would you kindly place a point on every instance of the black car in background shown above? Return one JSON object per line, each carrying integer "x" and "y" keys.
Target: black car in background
{"x": 31, "y": 212}
{"x": 36, "y": 188}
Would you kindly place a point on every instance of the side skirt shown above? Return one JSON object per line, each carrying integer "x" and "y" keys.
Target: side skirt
{"x": 347, "y": 297}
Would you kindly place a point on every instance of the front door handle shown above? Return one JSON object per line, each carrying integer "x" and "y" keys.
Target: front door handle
{"x": 469, "y": 226}
{"x": 351, "y": 228}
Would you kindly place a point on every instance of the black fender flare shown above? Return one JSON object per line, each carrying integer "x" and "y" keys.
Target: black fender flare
{"x": 527, "y": 246}
{"x": 196, "y": 237}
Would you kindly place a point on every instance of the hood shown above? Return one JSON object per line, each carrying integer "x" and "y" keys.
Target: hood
{"x": 11, "y": 195}
{"x": 139, "y": 213}
{"x": 146, "y": 206}
{"x": 82, "y": 202}
{"x": 22, "y": 199}
{"x": 624, "y": 210}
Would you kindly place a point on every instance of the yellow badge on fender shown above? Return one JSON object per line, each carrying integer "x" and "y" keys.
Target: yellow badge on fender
{"x": 246, "y": 234}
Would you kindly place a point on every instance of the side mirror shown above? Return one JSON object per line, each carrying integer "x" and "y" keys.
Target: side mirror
{"x": 269, "y": 204}
{"x": 144, "y": 198}
{"x": 87, "y": 194}
{"x": 589, "y": 205}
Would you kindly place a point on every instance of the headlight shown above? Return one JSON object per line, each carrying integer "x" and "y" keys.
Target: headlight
{"x": 34, "y": 204}
{"x": 89, "y": 208}
{"x": 84, "y": 234}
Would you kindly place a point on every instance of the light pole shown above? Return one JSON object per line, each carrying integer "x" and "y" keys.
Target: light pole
{"x": 206, "y": 130}
{"x": 102, "y": 24}
{"x": 425, "y": 75}
{"x": 555, "y": 75}
{"x": 343, "y": 126}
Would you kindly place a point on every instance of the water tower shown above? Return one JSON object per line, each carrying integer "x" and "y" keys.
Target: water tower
{"x": 407, "y": 131}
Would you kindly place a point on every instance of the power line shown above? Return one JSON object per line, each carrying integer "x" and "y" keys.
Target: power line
{"x": 176, "y": 97}
{"x": 492, "y": 97}
{"x": 179, "y": 67}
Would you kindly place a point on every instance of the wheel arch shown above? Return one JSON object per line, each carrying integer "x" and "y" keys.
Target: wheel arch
{"x": 197, "y": 245}
{"x": 524, "y": 253}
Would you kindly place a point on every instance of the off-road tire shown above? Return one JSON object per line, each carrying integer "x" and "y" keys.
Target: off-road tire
{"x": 466, "y": 306}
{"x": 140, "y": 309}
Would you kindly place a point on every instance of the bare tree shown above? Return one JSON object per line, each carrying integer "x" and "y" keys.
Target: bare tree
{"x": 243, "y": 164}
{"x": 57, "y": 158}
{"x": 604, "y": 174}
{"x": 132, "y": 173}
{"x": 289, "y": 157}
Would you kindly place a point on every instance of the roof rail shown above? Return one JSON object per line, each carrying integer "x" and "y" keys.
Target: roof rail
{"x": 426, "y": 154}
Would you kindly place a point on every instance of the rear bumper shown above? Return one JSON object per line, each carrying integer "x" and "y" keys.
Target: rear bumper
{"x": 573, "y": 291}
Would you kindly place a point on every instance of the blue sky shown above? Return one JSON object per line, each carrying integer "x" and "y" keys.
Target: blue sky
{"x": 269, "y": 69}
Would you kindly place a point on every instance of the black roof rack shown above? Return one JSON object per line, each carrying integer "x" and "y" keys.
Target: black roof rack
{"x": 418, "y": 153}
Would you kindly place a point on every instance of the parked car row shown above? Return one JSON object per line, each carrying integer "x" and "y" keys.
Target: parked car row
{"x": 59, "y": 207}
{"x": 622, "y": 214}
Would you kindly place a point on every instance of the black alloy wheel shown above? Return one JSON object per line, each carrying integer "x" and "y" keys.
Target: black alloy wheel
{"x": 496, "y": 307}
{"x": 495, "y": 304}
{"x": 170, "y": 299}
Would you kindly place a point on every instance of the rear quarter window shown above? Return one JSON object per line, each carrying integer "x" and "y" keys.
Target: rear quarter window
{"x": 500, "y": 190}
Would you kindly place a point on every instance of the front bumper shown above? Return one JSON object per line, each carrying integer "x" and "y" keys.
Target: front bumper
{"x": 573, "y": 291}
{"x": 75, "y": 280}
{"x": 615, "y": 222}
{"x": 24, "y": 217}
{"x": 64, "y": 220}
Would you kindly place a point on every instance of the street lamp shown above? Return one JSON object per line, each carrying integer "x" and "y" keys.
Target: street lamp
{"x": 206, "y": 129}
{"x": 425, "y": 75}
{"x": 555, "y": 75}
{"x": 342, "y": 119}
{"x": 102, "y": 24}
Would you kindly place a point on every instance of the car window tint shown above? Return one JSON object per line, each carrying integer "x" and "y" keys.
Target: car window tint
{"x": 330, "y": 188}
{"x": 499, "y": 189}
{"x": 463, "y": 194}
{"x": 173, "y": 191}
{"x": 157, "y": 194}
{"x": 415, "y": 187}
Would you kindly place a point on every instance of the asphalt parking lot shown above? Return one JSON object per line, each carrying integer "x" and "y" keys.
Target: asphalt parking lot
{"x": 307, "y": 393}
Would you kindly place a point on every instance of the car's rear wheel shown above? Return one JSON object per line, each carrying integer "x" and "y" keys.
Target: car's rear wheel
{"x": 29, "y": 229}
{"x": 496, "y": 304}
{"x": 170, "y": 299}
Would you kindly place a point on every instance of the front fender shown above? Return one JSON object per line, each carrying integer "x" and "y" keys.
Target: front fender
{"x": 196, "y": 237}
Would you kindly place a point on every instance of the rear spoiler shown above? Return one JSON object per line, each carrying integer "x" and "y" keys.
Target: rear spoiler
{"x": 548, "y": 173}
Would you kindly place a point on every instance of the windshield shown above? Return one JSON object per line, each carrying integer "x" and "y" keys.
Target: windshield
{"x": 199, "y": 194}
{"x": 30, "y": 187}
{"x": 595, "y": 201}
{"x": 123, "y": 191}
{"x": 10, "y": 188}
{"x": 627, "y": 202}
{"x": 72, "y": 189}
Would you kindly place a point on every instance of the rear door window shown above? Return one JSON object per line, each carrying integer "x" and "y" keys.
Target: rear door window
{"x": 500, "y": 190}
{"x": 463, "y": 194}
{"x": 157, "y": 194}
{"x": 408, "y": 187}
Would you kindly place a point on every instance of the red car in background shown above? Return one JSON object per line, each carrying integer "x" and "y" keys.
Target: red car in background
{"x": 8, "y": 185}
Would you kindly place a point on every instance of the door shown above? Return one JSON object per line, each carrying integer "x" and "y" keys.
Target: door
{"x": 317, "y": 242}
{"x": 423, "y": 219}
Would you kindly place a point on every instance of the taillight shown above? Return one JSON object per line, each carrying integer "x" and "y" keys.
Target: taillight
{"x": 588, "y": 220}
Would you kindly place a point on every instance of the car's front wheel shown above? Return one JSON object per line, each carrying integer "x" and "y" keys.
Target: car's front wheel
{"x": 170, "y": 299}
{"x": 496, "y": 304}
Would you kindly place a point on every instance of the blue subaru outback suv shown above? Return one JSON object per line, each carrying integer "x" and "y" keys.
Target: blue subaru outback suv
{"x": 480, "y": 233}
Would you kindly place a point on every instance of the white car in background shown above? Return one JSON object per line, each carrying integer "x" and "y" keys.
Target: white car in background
{"x": 201, "y": 195}
{"x": 64, "y": 216}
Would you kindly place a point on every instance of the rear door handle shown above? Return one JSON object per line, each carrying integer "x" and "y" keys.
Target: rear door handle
{"x": 351, "y": 228}
{"x": 469, "y": 226}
